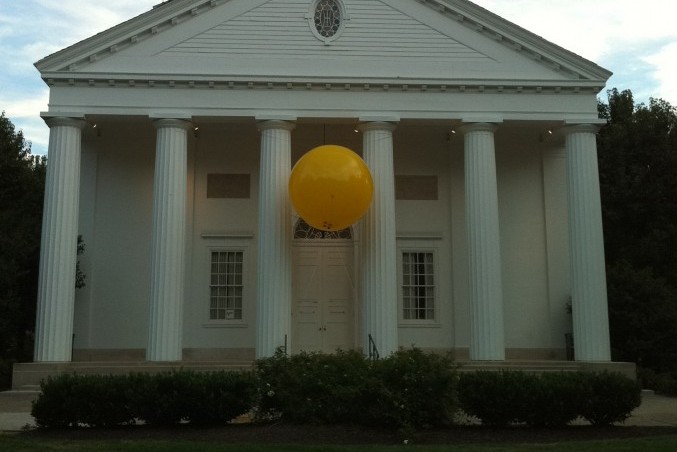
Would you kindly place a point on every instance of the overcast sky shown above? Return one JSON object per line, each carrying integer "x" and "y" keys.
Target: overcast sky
{"x": 635, "y": 40}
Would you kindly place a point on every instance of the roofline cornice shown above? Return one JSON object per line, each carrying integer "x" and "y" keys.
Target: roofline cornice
{"x": 173, "y": 81}
{"x": 130, "y": 32}
{"x": 518, "y": 38}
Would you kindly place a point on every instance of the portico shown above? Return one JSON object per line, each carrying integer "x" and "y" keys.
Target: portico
{"x": 376, "y": 247}
{"x": 485, "y": 222}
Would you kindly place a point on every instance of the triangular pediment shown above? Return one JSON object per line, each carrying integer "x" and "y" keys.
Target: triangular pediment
{"x": 417, "y": 41}
{"x": 280, "y": 29}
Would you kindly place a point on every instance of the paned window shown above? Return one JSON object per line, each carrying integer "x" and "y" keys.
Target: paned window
{"x": 225, "y": 301}
{"x": 418, "y": 286}
{"x": 327, "y": 18}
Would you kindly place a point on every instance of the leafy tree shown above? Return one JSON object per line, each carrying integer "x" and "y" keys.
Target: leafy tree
{"x": 80, "y": 277}
{"x": 638, "y": 182}
{"x": 22, "y": 179}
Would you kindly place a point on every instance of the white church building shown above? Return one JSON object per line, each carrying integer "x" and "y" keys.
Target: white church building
{"x": 172, "y": 139}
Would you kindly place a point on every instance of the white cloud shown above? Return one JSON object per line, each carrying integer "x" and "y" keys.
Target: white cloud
{"x": 91, "y": 18}
{"x": 25, "y": 107}
{"x": 36, "y": 132}
{"x": 621, "y": 35}
{"x": 590, "y": 28}
{"x": 24, "y": 112}
{"x": 664, "y": 64}
{"x": 33, "y": 29}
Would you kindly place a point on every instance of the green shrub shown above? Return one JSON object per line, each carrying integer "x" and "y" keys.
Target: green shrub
{"x": 549, "y": 399}
{"x": 101, "y": 400}
{"x": 311, "y": 388}
{"x": 407, "y": 389}
{"x": 56, "y": 405}
{"x": 6, "y": 373}
{"x": 663, "y": 383}
{"x": 495, "y": 398}
{"x": 667, "y": 384}
{"x": 71, "y": 400}
{"x": 217, "y": 397}
{"x": 411, "y": 389}
{"x": 160, "y": 399}
{"x": 611, "y": 397}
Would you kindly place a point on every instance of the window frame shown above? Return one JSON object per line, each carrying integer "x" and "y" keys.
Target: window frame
{"x": 402, "y": 321}
{"x": 245, "y": 284}
{"x": 310, "y": 16}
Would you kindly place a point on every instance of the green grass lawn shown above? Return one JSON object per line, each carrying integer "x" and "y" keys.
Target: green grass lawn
{"x": 14, "y": 442}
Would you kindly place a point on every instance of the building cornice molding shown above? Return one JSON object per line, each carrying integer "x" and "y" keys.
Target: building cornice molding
{"x": 352, "y": 85}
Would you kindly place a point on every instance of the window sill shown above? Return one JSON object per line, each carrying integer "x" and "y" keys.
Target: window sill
{"x": 224, "y": 324}
{"x": 422, "y": 324}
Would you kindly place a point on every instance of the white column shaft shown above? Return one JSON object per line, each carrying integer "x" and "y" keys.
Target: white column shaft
{"x": 168, "y": 242}
{"x": 377, "y": 244}
{"x": 586, "y": 242}
{"x": 484, "y": 253}
{"x": 273, "y": 275}
{"x": 58, "y": 252}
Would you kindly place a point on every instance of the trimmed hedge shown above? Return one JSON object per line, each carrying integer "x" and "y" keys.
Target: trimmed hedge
{"x": 415, "y": 390}
{"x": 548, "y": 399}
{"x": 408, "y": 389}
{"x": 70, "y": 400}
{"x": 611, "y": 397}
{"x": 311, "y": 387}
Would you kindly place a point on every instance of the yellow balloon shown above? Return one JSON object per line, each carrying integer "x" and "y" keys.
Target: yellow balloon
{"x": 331, "y": 187}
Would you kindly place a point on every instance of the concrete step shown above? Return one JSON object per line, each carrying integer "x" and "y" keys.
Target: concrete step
{"x": 17, "y": 401}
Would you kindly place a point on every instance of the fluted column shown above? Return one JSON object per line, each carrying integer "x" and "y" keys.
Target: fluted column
{"x": 56, "y": 286}
{"x": 273, "y": 276}
{"x": 586, "y": 243}
{"x": 378, "y": 253}
{"x": 484, "y": 253}
{"x": 168, "y": 241}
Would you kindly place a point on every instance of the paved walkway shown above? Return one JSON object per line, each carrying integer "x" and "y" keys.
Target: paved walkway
{"x": 15, "y": 410}
{"x": 655, "y": 411}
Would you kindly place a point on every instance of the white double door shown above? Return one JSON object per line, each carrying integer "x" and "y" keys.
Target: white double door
{"x": 323, "y": 297}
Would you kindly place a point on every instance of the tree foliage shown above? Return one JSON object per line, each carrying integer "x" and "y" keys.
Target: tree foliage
{"x": 638, "y": 182}
{"x": 22, "y": 179}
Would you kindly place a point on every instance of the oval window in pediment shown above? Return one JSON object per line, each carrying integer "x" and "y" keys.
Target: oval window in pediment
{"x": 326, "y": 19}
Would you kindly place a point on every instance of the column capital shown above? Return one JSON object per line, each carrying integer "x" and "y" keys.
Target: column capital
{"x": 478, "y": 127}
{"x": 55, "y": 121}
{"x": 161, "y": 123}
{"x": 376, "y": 125}
{"x": 268, "y": 124}
{"x": 580, "y": 128}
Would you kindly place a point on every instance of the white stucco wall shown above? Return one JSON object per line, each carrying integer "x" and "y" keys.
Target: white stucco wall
{"x": 118, "y": 247}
